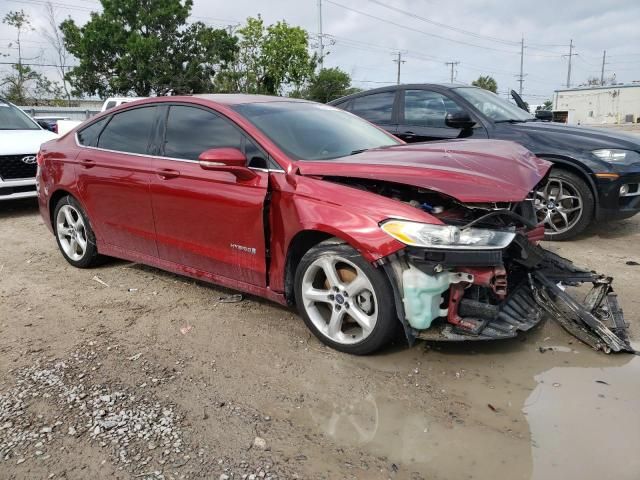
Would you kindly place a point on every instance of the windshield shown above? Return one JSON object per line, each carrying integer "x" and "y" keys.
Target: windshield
{"x": 12, "y": 118}
{"x": 494, "y": 107}
{"x": 311, "y": 131}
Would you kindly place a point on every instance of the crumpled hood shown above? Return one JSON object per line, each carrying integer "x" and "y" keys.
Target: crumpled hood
{"x": 468, "y": 170}
{"x": 27, "y": 142}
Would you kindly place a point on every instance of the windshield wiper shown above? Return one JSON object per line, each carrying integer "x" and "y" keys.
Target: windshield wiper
{"x": 355, "y": 152}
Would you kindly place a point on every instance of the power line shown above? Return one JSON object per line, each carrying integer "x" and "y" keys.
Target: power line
{"x": 64, "y": 6}
{"x": 406, "y": 27}
{"x": 38, "y": 64}
{"x": 443, "y": 25}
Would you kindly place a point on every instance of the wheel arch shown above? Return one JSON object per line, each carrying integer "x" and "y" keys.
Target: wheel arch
{"x": 308, "y": 238}
{"x": 571, "y": 165}
{"x": 300, "y": 244}
{"x": 55, "y": 198}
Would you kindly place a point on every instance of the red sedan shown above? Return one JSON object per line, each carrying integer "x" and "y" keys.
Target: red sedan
{"x": 311, "y": 206}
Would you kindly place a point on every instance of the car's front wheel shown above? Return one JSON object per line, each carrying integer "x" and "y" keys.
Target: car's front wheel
{"x": 565, "y": 205}
{"x": 74, "y": 235}
{"x": 345, "y": 301}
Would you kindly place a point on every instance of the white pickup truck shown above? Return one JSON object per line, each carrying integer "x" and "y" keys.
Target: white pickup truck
{"x": 66, "y": 125}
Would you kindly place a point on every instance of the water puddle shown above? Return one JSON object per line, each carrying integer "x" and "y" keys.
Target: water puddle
{"x": 526, "y": 410}
{"x": 585, "y": 423}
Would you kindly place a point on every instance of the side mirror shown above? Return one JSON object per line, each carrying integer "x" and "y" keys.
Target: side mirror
{"x": 226, "y": 159}
{"x": 461, "y": 120}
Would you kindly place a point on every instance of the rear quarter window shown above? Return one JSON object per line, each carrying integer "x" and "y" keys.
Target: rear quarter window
{"x": 88, "y": 136}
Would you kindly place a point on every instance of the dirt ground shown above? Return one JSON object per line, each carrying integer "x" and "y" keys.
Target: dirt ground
{"x": 125, "y": 371}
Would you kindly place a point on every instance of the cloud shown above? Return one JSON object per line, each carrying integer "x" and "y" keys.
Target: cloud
{"x": 364, "y": 46}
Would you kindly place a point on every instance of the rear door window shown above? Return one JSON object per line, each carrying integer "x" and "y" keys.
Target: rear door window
{"x": 129, "y": 131}
{"x": 192, "y": 130}
{"x": 377, "y": 107}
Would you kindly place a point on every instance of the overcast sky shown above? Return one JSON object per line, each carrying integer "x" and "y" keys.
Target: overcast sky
{"x": 363, "y": 37}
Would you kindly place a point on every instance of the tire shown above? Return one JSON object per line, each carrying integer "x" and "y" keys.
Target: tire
{"x": 74, "y": 234}
{"x": 566, "y": 205}
{"x": 365, "y": 309}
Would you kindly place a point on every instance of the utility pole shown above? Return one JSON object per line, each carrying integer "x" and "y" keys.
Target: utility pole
{"x": 320, "y": 38}
{"x": 399, "y": 61}
{"x": 571, "y": 54}
{"x": 453, "y": 64}
{"x": 521, "y": 76}
{"x": 604, "y": 58}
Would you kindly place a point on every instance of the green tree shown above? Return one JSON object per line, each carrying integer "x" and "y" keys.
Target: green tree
{"x": 329, "y": 84}
{"x": 145, "y": 47}
{"x": 487, "y": 82}
{"x": 270, "y": 59}
{"x": 23, "y": 85}
{"x": 547, "y": 105}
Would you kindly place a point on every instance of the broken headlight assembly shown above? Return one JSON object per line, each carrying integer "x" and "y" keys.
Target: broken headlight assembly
{"x": 426, "y": 235}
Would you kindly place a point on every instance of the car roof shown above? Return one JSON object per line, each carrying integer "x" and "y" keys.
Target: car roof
{"x": 445, "y": 86}
{"x": 242, "y": 98}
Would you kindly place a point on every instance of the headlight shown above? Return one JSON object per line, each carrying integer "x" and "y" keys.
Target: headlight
{"x": 614, "y": 155}
{"x": 447, "y": 236}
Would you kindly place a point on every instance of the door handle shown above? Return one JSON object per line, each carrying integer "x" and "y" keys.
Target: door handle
{"x": 167, "y": 173}
{"x": 87, "y": 163}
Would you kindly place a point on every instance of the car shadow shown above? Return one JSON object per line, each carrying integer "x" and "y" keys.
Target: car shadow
{"x": 219, "y": 292}
{"x": 18, "y": 208}
{"x": 523, "y": 341}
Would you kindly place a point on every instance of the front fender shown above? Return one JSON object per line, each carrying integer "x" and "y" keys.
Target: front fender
{"x": 347, "y": 213}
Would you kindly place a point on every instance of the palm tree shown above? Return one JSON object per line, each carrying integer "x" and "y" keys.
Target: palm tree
{"x": 487, "y": 82}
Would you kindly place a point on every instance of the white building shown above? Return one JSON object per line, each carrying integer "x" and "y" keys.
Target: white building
{"x": 611, "y": 104}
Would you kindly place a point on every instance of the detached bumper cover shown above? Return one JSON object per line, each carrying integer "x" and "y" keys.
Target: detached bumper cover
{"x": 537, "y": 282}
{"x": 597, "y": 321}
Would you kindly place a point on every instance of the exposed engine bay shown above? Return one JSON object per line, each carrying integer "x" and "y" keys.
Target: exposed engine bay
{"x": 448, "y": 209}
{"x": 474, "y": 294}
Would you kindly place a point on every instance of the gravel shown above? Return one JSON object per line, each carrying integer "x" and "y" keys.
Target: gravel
{"x": 141, "y": 435}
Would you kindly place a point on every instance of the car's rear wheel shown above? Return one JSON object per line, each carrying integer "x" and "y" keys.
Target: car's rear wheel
{"x": 74, "y": 235}
{"x": 345, "y": 301}
{"x": 565, "y": 205}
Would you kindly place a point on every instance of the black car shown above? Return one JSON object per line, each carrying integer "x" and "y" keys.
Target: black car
{"x": 596, "y": 173}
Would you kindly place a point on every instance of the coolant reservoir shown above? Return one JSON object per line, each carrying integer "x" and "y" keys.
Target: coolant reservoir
{"x": 423, "y": 295}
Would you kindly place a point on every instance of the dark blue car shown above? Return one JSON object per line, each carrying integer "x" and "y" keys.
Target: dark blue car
{"x": 596, "y": 173}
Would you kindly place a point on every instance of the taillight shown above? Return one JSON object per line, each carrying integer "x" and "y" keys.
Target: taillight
{"x": 39, "y": 158}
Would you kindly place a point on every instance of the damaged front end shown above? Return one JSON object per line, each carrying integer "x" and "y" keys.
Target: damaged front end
{"x": 476, "y": 293}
